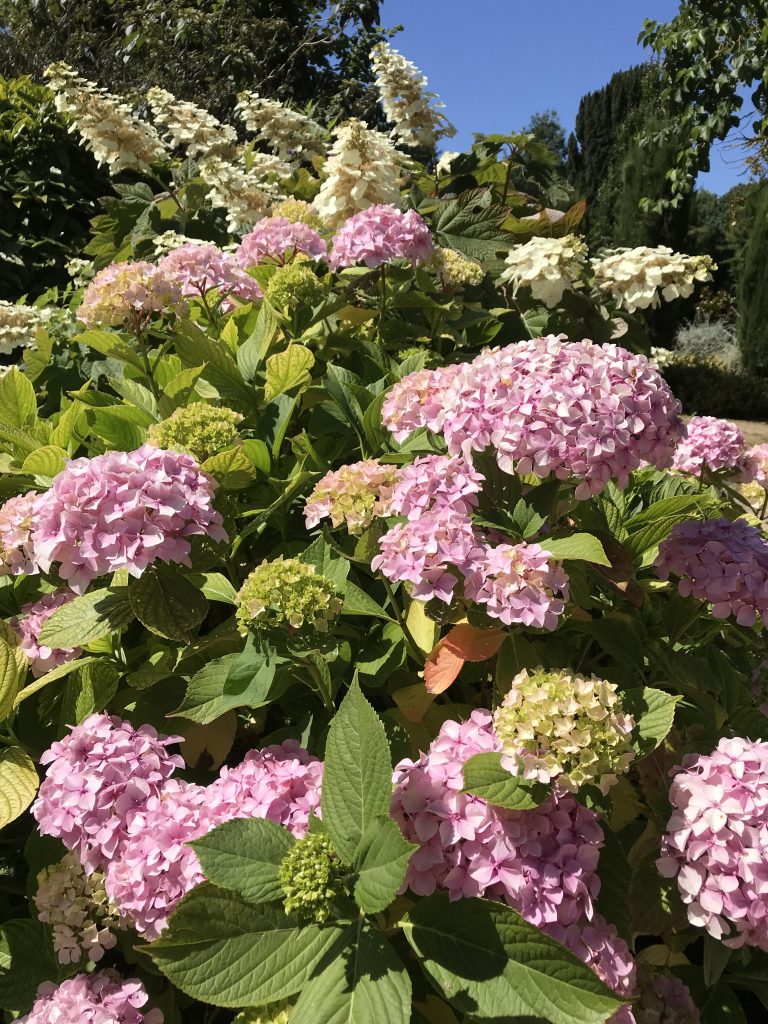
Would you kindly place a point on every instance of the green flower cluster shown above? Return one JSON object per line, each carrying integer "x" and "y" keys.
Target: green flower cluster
{"x": 200, "y": 429}
{"x": 455, "y": 269}
{"x": 565, "y": 727}
{"x": 431, "y": 359}
{"x": 287, "y": 594}
{"x": 295, "y": 284}
{"x": 275, "y": 1013}
{"x": 297, "y": 211}
{"x": 312, "y": 876}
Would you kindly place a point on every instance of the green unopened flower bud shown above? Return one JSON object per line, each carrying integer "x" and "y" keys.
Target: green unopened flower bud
{"x": 312, "y": 876}
{"x": 295, "y": 284}
{"x": 287, "y": 594}
{"x": 203, "y": 430}
{"x": 297, "y": 211}
{"x": 275, "y": 1013}
{"x": 564, "y": 726}
{"x": 431, "y": 359}
{"x": 455, "y": 269}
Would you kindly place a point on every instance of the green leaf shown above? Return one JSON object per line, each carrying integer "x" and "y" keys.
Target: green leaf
{"x": 382, "y": 860}
{"x": 12, "y": 671}
{"x": 87, "y": 690}
{"x": 110, "y": 344}
{"x": 88, "y": 618}
{"x": 649, "y": 527}
{"x": 18, "y": 783}
{"x": 472, "y": 225}
{"x": 357, "y": 779}
{"x": 287, "y": 370}
{"x": 244, "y": 855}
{"x": 485, "y": 777}
{"x": 358, "y": 602}
{"x": 166, "y": 602}
{"x": 327, "y": 561}
{"x": 26, "y": 961}
{"x": 366, "y": 984}
{"x": 232, "y": 469}
{"x": 195, "y": 348}
{"x": 46, "y": 461}
{"x": 492, "y": 965}
{"x": 214, "y": 586}
{"x": 179, "y": 388}
{"x": 18, "y": 406}
{"x": 579, "y": 547}
{"x": 248, "y": 679}
{"x": 654, "y": 714}
{"x": 251, "y": 353}
{"x": 226, "y": 952}
{"x": 258, "y": 453}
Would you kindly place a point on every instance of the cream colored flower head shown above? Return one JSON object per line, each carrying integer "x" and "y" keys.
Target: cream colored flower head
{"x": 642, "y": 277}
{"x": 548, "y": 266}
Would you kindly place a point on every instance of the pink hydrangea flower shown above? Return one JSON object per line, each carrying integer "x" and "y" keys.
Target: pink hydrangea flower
{"x": 711, "y": 444}
{"x": 542, "y": 862}
{"x": 602, "y": 949}
{"x": 517, "y": 584}
{"x": 381, "y": 234}
{"x": 28, "y": 626}
{"x": 200, "y": 267}
{"x": 17, "y": 553}
{"x": 716, "y": 843}
{"x": 100, "y": 998}
{"x": 97, "y": 776}
{"x": 420, "y": 552}
{"x": 756, "y": 465}
{"x": 434, "y": 483}
{"x": 354, "y": 495}
{"x": 279, "y": 239}
{"x": 123, "y": 510}
{"x": 129, "y": 292}
{"x": 549, "y": 407}
{"x": 722, "y": 562}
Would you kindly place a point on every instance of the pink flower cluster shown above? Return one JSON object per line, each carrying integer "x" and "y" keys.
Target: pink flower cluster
{"x": 200, "y": 267}
{"x": 547, "y": 406}
{"x": 710, "y": 444}
{"x": 723, "y": 562}
{"x": 353, "y": 495}
{"x": 123, "y": 510}
{"x": 756, "y": 465}
{"x": 381, "y": 234}
{"x": 28, "y": 626}
{"x": 435, "y": 482}
{"x": 16, "y": 549}
{"x": 599, "y": 945}
{"x": 279, "y": 239}
{"x": 716, "y": 843}
{"x": 517, "y": 583}
{"x": 100, "y": 998}
{"x": 129, "y": 292}
{"x": 109, "y": 795}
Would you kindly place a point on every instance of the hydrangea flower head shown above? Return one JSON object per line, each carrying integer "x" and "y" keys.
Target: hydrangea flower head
{"x": 548, "y": 266}
{"x": 18, "y": 326}
{"x": 287, "y": 594}
{"x": 28, "y": 626}
{"x": 244, "y": 193}
{"x": 289, "y": 133}
{"x": 716, "y": 843}
{"x": 312, "y": 876}
{"x": 188, "y": 126}
{"x": 279, "y": 239}
{"x": 541, "y": 862}
{"x": 517, "y": 583}
{"x": 295, "y": 284}
{"x": 274, "y": 1013}
{"x": 100, "y": 998}
{"x": 363, "y": 169}
{"x": 565, "y": 727}
{"x": 201, "y": 267}
{"x": 17, "y": 553}
{"x": 123, "y": 510}
{"x": 298, "y": 211}
{"x": 663, "y": 999}
{"x": 711, "y": 444}
{"x": 76, "y": 907}
{"x": 416, "y": 113}
{"x": 354, "y": 495}
{"x": 129, "y": 292}
{"x": 640, "y": 278}
{"x": 199, "y": 428}
{"x": 97, "y": 776}
{"x": 381, "y": 234}
{"x": 455, "y": 269}
{"x": 601, "y": 948}
{"x": 722, "y": 562}
{"x": 435, "y": 482}
{"x": 756, "y": 465}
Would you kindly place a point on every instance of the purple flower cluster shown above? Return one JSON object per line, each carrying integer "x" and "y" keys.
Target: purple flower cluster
{"x": 28, "y": 625}
{"x": 722, "y": 562}
{"x": 716, "y": 843}
{"x": 100, "y": 998}
{"x": 279, "y": 239}
{"x": 200, "y": 267}
{"x": 518, "y": 584}
{"x": 435, "y": 482}
{"x": 541, "y": 862}
{"x": 379, "y": 235}
{"x": 547, "y": 406}
{"x": 710, "y": 444}
{"x": 599, "y": 945}
{"x": 123, "y": 510}
{"x": 17, "y": 554}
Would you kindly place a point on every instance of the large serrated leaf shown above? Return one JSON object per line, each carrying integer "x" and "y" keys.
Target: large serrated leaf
{"x": 88, "y": 618}
{"x": 17, "y": 399}
{"x": 244, "y": 855}
{"x": 167, "y": 604}
{"x": 654, "y": 714}
{"x": 581, "y": 547}
{"x": 12, "y": 671}
{"x": 18, "y": 783}
{"x": 287, "y": 370}
{"x": 232, "y": 469}
{"x": 381, "y": 860}
{"x": 26, "y": 961}
{"x": 485, "y": 777}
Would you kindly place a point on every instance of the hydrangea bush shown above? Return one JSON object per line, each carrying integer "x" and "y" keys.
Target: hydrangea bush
{"x": 378, "y": 643}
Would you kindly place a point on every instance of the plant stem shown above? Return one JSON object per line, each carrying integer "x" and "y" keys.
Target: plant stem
{"x": 319, "y": 683}
{"x": 416, "y": 651}
{"x": 383, "y": 300}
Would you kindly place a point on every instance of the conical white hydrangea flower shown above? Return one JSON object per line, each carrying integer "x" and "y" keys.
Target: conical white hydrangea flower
{"x": 417, "y": 114}
{"x": 288, "y": 133}
{"x": 245, "y": 195}
{"x": 18, "y": 324}
{"x": 362, "y": 170}
{"x": 640, "y": 278}
{"x": 548, "y": 266}
{"x": 189, "y": 126}
{"x": 106, "y": 122}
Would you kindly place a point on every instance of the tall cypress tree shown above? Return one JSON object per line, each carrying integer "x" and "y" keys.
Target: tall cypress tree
{"x": 753, "y": 293}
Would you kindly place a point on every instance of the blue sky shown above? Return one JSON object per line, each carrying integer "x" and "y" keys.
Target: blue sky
{"x": 496, "y": 62}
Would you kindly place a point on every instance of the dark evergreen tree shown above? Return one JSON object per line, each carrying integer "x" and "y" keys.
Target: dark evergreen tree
{"x": 545, "y": 126}
{"x": 753, "y": 285}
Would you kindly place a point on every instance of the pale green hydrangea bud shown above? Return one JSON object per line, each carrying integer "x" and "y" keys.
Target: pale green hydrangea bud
{"x": 455, "y": 269}
{"x": 275, "y": 1013}
{"x": 564, "y": 727}
{"x": 312, "y": 876}
{"x": 201, "y": 429}
{"x": 431, "y": 359}
{"x": 353, "y": 495}
{"x": 297, "y": 211}
{"x": 287, "y": 594}
{"x": 295, "y": 284}
{"x": 754, "y": 493}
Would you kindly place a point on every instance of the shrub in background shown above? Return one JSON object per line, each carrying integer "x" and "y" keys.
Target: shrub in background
{"x": 753, "y": 295}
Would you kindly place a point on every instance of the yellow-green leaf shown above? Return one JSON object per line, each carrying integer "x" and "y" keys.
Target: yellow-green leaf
{"x": 18, "y": 783}
{"x": 46, "y": 461}
{"x": 232, "y": 469}
{"x": 11, "y": 674}
{"x": 17, "y": 399}
{"x": 287, "y": 370}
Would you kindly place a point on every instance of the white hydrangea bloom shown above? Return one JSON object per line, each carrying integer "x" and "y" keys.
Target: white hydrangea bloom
{"x": 262, "y": 165}
{"x": 640, "y": 278}
{"x": 548, "y": 266}
{"x": 18, "y": 325}
{"x": 363, "y": 170}
{"x": 245, "y": 195}
{"x": 443, "y": 165}
{"x": 661, "y": 357}
{"x": 106, "y": 122}
{"x": 416, "y": 113}
{"x": 190, "y": 126}
{"x": 168, "y": 241}
{"x": 288, "y": 133}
